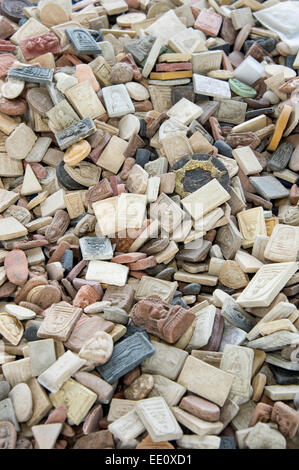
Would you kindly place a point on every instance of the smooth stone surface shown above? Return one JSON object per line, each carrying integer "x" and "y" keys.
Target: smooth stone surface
{"x": 4, "y": 389}
{"x": 200, "y": 408}
{"x": 21, "y": 398}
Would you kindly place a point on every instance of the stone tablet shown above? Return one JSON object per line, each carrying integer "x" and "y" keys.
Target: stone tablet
{"x": 195, "y": 442}
{"x": 247, "y": 160}
{"x": 197, "y": 425}
{"x": 140, "y": 48}
{"x": 95, "y": 248}
{"x": 42, "y": 355}
{"x": 108, "y": 273}
{"x": 279, "y": 311}
{"x": 85, "y": 100}
{"x": 62, "y": 115}
{"x": 167, "y": 361}
{"x": 16, "y": 372}
{"x": 117, "y": 101}
{"x": 184, "y": 111}
{"x": 112, "y": 156}
{"x": 10, "y": 167}
{"x": 20, "y": 142}
{"x": 60, "y": 371}
{"x": 275, "y": 341}
{"x": 231, "y": 111}
{"x": 41, "y": 402}
{"x": 119, "y": 407}
{"x": 171, "y": 391}
{"x": 98, "y": 349}
{"x": 229, "y": 239}
{"x": 266, "y": 284}
{"x": 59, "y": 322}
{"x": 126, "y": 355}
{"x": 166, "y": 321}
{"x": 283, "y": 245}
{"x": 268, "y": 187}
{"x": 84, "y": 329}
{"x": 203, "y": 328}
{"x": 121, "y": 297}
{"x": 101, "y": 70}
{"x": 166, "y": 26}
{"x": 236, "y": 315}
{"x": 204, "y": 62}
{"x": 75, "y": 133}
{"x": 158, "y": 419}
{"x": 281, "y": 392}
{"x": 251, "y": 223}
{"x": 280, "y": 158}
{"x": 127, "y": 427}
{"x": 205, "y": 199}
{"x": 175, "y": 147}
{"x": 205, "y": 380}
{"x": 82, "y": 41}
{"x": 41, "y": 75}
{"x": 77, "y": 399}
{"x": 207, "y": 86}
{"x": 150, "y": 286}
{"x": 39, "y": 149}
{"x": 238, "y": 361}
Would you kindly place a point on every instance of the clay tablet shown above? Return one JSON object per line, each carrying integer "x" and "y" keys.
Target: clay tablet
{"x": 166, "y": 321}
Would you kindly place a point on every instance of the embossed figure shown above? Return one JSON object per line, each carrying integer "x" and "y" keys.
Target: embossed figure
{"x": 11, "y": 328}
{"x": 121, "y": 297}
{"x": 85, "y": 296}
{"x": 261, "y": 414}
{"x": 291, "y": 216}
{"x": 127, "y": 355}
{"x": 166, "y": 321}
{"x": 98, "y": 349}
{"x": 171, "y": 127}
{"x": 118, "y": 103}
{"x": 85, "y": 225}
{"x": 286, "y": 418}
{"x": 84, "y": 173}
{"x": 237, "y": 360}
{"x": 57, "y": 322}
{"x": 99, "y": 191}
{"x": 82, "y": 41}
{"x": 250, "y": 230}
{"x": 40, "y": 43}
{"x": 33, "y": 74}
{"x": 262, "y": 280}
{"x": 74, "y": 133}
{"x": 63, "y": 118}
